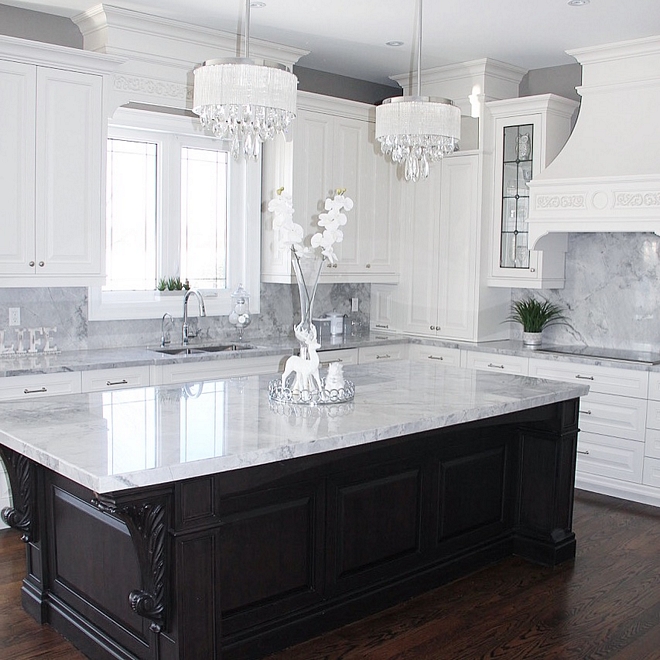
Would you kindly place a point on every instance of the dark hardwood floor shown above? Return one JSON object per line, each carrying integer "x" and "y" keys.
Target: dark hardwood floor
{"x": 605, "y": 604}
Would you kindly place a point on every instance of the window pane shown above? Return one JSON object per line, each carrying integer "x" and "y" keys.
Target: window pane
{"x": 204, "y": 217}
{"x": 131, "y": 215}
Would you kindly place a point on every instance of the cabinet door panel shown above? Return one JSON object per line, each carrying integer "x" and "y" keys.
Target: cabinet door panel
{"x": 620, "y": 416}
{"x": 69, "y": 140}
{"x": 352, "y": 170}
{"x": 610, "y": 457}
{"x": 418, "y": 292}
{"x": 458, "y": 227}
{"x": 17, "y": 119}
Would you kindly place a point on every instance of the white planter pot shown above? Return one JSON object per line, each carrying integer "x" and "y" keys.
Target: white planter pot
{"x": 531, "y": 338}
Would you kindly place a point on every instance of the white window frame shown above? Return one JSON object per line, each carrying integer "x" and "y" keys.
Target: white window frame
{"x": 243, "y": 236}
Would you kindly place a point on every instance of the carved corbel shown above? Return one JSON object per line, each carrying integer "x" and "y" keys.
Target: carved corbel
{"x": 21, "y": 474}
{"x": 147, "y": 521}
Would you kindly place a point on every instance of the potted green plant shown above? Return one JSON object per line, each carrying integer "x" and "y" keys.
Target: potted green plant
{"x": 535, "y": 315}
{"x": 171, "y": 285}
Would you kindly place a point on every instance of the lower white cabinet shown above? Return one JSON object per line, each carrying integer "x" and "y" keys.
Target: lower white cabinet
{"x": 343, "y": 355}
{"x": 614, "y": 441}
{"x": 39, "y": 385}
{"x": 618, "y": 416}
{"x": 193, "y": 372}
{"x": 450, "y": 357}
{"x": 368, "y": 354}
{"x": 496, "y": 362}
{"x": 101, "y": 380}
{"x": 608, "y": 456}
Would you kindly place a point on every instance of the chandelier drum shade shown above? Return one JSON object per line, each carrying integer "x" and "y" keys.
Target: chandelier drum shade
{"x": 244, "y": 102}
{"x": 417, "y": 130}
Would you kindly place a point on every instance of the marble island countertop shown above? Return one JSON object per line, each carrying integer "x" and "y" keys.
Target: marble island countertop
{"x": 111, "y": 441}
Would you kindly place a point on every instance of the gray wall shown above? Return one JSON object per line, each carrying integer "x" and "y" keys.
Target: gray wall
{"x": 38, "y": 26}
{"x": 344, "y": 87}
{"x": 560, "y": 80}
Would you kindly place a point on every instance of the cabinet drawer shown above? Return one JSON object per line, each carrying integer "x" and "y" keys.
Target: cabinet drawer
{"x": 192, "y": 372}
{"x": 651, "y": 472}
{"x": 653, "y": 415}
{"x": 114, "y": 379}
{"x": 619, "y": 416}
{"x": 607, "y": 380}
{"x": 654, "y": 385}
{"x": 505, "y": 364}
{"x": 343, "y": 355}
{"x": 450, "y": 357}
{"x": 652, "y": 442}
{"x": 32, "y": 387}
{"x": 380, "y": 353}
{"x": 610, "y": 457}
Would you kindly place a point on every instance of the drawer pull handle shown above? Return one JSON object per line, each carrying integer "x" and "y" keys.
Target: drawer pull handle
{"x": 110, "y": 383}
{"x": 584, "y": 452}
{"x": 495, "y": 366}
{"x": 436, "y": 357}
{"x": 586, "y": 412}
{"x": 379, "y": 325}
{"x": 584, "y": 377}
{"x": 383, "y": 357}
{"x": 41, "y": 390}
{"x": 329, "y": 362}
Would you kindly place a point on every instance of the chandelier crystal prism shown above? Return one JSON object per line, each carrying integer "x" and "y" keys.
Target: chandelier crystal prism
{"x": 417, "y": 130}
{"x": 244, "y": 102}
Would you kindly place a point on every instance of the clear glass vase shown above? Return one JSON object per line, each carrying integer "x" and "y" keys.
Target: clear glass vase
{"x": 307, "y": 267}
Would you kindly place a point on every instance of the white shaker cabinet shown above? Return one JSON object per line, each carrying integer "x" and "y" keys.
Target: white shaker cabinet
{"x": 52, "y": 137}
{"x": 525, "y": 135}
{"x": 334, "y": 147}
{"x": 441, "y": 292}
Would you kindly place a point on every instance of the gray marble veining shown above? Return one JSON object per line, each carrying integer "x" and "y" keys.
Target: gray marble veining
{"x": 612, "y": 292}
{"x": 65, "y": 308}
{"x": 111, "y": 441}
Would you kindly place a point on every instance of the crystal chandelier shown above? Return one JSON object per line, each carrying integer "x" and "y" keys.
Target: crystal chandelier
{"x": 417, "y": 130}
{"x": 244, "y": 102}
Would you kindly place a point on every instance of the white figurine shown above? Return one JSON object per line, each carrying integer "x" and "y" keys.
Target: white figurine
{"x": 306, "y": 368}
{"x": 335, "y": 378}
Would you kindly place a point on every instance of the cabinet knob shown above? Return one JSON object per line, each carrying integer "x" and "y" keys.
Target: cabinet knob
{"x": 368, "y": 265}
{"x": 334, "y": 265}
{"x": 532, "y": 270}
{"x": 31, "y": 264}
{"x": 41, "y": 264}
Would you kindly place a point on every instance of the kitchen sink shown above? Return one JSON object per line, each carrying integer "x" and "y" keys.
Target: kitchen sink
{"x": 200, "y": 350}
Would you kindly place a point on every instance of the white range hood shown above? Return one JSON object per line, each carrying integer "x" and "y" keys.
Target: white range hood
{"x": 607, "y": 176}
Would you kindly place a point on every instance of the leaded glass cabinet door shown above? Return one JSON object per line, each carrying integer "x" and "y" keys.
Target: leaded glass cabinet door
{"x": 525, "y": 136}
{"x": 518, "y": 149}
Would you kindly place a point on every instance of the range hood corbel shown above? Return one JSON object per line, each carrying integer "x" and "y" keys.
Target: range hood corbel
{"x": 607, "y": 176}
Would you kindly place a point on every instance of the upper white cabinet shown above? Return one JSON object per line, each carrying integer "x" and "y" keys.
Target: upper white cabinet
{"x": 441, "y": 292}
{"x": 52, "y": 137}
{"x": 334, "y": 147}
{"x": 525, "y": 135}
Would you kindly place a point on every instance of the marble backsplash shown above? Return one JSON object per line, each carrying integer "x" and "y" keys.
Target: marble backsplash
{"x": 612, "y": 292}
{"x": 612, "y": 298}
{"x": 65, "y": 308}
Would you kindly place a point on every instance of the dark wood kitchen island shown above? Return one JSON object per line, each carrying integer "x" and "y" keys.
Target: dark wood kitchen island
{"x": 202, "y": 522}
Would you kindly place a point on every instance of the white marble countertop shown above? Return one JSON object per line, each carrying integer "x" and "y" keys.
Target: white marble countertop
{"x": 111, "y": 441}
{"x": 110, "y": 358}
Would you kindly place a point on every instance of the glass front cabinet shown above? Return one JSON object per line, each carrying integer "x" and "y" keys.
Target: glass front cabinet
{"x": 526, "y": 133}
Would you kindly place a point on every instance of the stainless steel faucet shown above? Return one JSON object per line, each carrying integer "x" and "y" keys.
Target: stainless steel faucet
{"x": 202, "y": 311}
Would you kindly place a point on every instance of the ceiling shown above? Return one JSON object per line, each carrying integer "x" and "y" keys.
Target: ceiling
{"x": 348, "y": 37}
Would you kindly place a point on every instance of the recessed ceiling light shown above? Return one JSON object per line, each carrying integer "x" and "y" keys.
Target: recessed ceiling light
{"x": 394, "y": 43}
{"x": 257, "y": 5}
{"x": 578, "y": 3}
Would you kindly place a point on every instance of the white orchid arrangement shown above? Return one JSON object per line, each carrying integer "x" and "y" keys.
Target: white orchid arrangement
{"x": 291, "y": 234}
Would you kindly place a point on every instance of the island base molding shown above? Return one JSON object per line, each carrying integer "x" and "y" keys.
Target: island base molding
{"x": 239, "y": 564}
